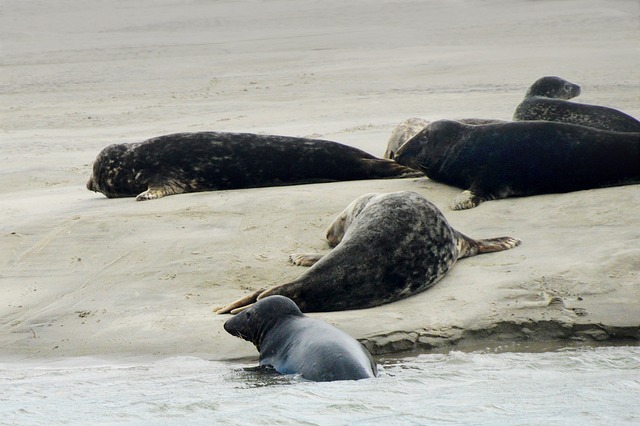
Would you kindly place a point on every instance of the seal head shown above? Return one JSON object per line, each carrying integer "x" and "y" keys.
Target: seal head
{"x": 553, "y": 87}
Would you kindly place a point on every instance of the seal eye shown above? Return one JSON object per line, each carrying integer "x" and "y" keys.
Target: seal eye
{"x": 567, "y": 87}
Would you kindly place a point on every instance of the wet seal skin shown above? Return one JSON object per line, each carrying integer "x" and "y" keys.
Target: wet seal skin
{"x": 387, "y": 247}
{"x": 522, "y": 158}
{"x": 208, "y": 161}
{"x": 293, "y": 343}
{"x": 548, "y": 99}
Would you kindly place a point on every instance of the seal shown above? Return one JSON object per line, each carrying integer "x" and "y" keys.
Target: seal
{"x": 387, "y": 247}
{"x": 411, "y": 126}
{"x": 547, "y": 99}
{"x": 293, "y": 343}
{"x": 522, "y": 158}
{"x": 403, "y": 132}
{"x": 207, "y": 161}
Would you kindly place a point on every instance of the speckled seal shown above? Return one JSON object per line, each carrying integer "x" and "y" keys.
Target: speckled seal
{"x": 387, "y": 247}
{"x": 293, "y": 343}
{"x": 522, "y": 158}
{"x": 411, "y": 126}
{"x": 206, "y": 161}
{"x": 548, "y": 99}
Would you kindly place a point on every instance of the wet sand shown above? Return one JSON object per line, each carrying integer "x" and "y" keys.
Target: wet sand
{"x": 85, "y": 275}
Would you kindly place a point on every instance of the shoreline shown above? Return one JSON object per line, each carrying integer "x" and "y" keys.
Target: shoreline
{"x": 85, "y": 275}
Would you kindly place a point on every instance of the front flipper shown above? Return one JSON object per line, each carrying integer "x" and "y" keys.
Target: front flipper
{"x": 240, "y": 304}
{"x": 466, "y": 200}
{"x": 305, "y": 259}
{"x": 161, "y": 189}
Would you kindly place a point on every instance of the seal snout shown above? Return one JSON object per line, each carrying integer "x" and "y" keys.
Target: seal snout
{"x": 576, "y": 90}
{"x": 407, "y": 154}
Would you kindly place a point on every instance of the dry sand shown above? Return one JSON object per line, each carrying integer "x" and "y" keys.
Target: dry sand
{"x": 84, "y": 275}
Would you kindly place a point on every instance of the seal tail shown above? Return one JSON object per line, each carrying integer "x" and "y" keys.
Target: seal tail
{"x": 469, "y": 247}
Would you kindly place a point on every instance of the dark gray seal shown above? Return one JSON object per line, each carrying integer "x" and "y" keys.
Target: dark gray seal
{"x": 206, "y": 161}
{"x": 387, "y": 247}
{"x": 293, "y": 343}
{"x": 522, "y": 158}
{"x": 547, "y": 99}
{"x": 411, "y": 126}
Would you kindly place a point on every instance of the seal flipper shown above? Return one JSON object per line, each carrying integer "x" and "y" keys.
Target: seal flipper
{"x": 469, "y": 247}
{"x": 383, "y": 168}
{"x": 305, "y": 259}
{"x": 158, "y": 188}
{"x": 467, "y": 200}
{"x": 243, "y": 302}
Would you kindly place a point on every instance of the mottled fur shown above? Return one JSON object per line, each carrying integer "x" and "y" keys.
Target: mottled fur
{"x": 547, "y": 99}
{"x": 387, "y": 247}
{"x": 206, "y": 161}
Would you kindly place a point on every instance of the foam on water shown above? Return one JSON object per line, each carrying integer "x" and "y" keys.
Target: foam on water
{"x": 576, "y": 386}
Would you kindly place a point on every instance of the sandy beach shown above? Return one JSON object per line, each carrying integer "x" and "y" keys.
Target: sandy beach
{"x": 81, "y": 274}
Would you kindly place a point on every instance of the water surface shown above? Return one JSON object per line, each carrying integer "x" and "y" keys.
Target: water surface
{"x": 571, "y": 386}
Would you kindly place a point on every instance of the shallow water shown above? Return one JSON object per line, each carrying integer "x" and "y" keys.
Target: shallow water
{"x": 572, "y": 386}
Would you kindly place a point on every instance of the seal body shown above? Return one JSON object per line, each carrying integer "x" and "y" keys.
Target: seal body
{"x": 411, "y": 126}
{"x": 387, "y": 247}
{"x": 522, "y": 158}
{"x": 548, "y": 99}
{"x": 294, "y": 343}
{"x": 205, "y": 161}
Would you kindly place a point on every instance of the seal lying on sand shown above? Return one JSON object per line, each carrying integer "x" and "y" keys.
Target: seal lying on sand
{"x": 403, "y": 132}
{"x": 293, "y": 343}
{"x": 387, "y": 247}
{"x": 411, "y": 126}
{"x": 547, "y": 100}
{"x": 205, "y": 161}
{"x": 522, "y": 158}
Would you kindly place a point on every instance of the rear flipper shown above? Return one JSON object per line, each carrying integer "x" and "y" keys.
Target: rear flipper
{"x": 383, "y": 168}
{"x": 469, "y": 247}
{"x": 240, "y": 304}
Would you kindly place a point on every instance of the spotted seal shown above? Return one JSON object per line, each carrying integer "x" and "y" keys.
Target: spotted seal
{"x": 205, "y": 161}
{"x": 411, "y": 126}
{"x": 522, "y": 158}
{"x": 402, "y": 133}
{"x": 387, "y": 247}
{"x": 548, "y": 99}
{"x": 293, "y": 343}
